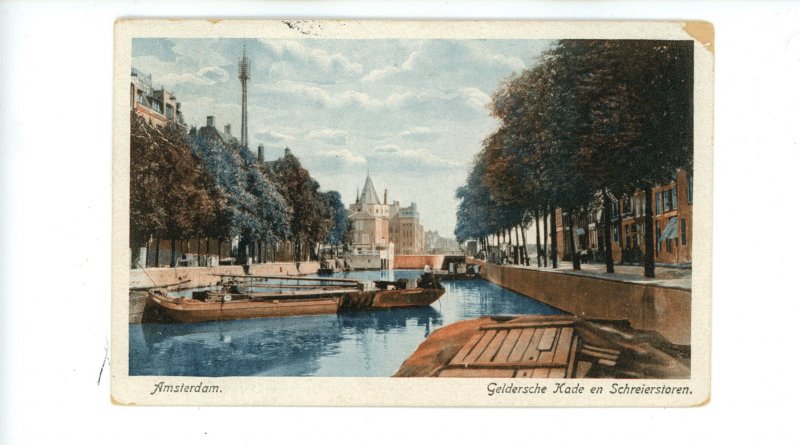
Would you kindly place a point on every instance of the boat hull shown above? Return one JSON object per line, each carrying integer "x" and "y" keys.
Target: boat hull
{"x": 406, "y": 297}
{"x": 190, "y": 311}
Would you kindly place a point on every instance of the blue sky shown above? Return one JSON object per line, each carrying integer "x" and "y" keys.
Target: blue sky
{"x": 411, "y": 112}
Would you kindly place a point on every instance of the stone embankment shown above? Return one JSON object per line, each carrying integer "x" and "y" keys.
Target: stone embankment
{"x": 647, "y": 306}
{"x": 418, "y": 261}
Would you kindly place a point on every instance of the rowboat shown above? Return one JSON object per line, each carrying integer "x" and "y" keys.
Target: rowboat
{"x": 237, "y": 297}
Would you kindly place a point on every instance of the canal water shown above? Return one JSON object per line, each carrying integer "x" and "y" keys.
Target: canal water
{"x": 361, "y": 344}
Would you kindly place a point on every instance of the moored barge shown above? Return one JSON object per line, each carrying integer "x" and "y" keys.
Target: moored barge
{"x": 237, "y": 299}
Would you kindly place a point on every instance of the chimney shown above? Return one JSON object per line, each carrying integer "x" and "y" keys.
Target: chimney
{"x": 260, "y": 152}
{"x": 210, "y": 121}
{"x": 385, "y": 196}
{"x": 228, "y": 129}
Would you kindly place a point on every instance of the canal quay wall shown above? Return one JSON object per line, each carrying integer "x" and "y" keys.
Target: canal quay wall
{"x": 666, "y": 310}
{"x": 418, "y": 261}
{"x": 200, "y": 277}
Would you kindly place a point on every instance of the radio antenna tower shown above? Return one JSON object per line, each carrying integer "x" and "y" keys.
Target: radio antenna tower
{"x": 244, "y": 76}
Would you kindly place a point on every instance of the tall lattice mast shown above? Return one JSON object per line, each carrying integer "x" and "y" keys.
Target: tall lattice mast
{"x": 244, "y": 76}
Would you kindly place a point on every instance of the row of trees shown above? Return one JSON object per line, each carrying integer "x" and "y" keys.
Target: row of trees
{"x": 192, "y": 187}
{"x": 590, "y": 122}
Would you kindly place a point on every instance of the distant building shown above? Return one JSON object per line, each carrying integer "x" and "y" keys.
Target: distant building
{"x": 157, "y": 107}
{"x": 405, "y": 230}
{"x": 372, "y": 248}
{"x": 211, "y": 132}
{"x": 370, "y": 219}
{"x": 437, "y": 244}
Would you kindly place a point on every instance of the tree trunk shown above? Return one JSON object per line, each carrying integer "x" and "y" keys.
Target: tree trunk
{"x": 649, "y": 241}
{"x": 553, "y": 237}
{"x": 538, "y": 240}
{"x": 172, "y": 255}
{"x": 619, "y": 232}
{"x": 608, "y": 253}
{"x": 525, "y": 258}
{"x": 576, "y": 261}
{"x": 544, "y": 221}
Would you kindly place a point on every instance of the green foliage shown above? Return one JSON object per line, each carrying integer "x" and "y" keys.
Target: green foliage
{"x": 591, "y": 116}
{"x": 171, "y": 196}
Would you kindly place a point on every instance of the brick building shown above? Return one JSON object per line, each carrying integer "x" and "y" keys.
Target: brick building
{"x": 157, "y": 107}
{"x": 405, "y": 230}
{"x": 672, "y": 226}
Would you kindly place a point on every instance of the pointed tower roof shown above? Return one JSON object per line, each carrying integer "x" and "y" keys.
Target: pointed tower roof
{"x": 369, "y": 195}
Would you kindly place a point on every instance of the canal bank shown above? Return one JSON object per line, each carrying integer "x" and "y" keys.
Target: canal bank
{"x": 657, "y": 307}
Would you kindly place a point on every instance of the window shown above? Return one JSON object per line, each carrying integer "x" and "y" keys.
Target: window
{"x": 658, "y": 203}
{"x": 627, "y": 236}
{"x": 669, "y": 245}
{"x": 658, "y": 243}
{"x": 689, "y": 189}
{"x": 170, "y": 112}
{"x": 683, "y": 232}
{"x": 616, "y": 234}
{"x": 675, "y": 197}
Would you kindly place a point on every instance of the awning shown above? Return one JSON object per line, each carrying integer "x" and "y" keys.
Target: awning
{"x": 671, "y": 231}
{"x": 580, "y": 231}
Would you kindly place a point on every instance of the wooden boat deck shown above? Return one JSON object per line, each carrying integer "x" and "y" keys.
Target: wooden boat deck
{"x": 527, "y": 347}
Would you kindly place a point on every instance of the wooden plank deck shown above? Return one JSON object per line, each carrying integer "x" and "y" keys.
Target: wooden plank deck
{"x": 521, "y": 348}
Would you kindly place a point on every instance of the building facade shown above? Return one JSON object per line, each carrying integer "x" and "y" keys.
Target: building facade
{"x": 405, "y": 230}
{"x": 672, "y": 226}
{"x": 157, "y": 107}
{"x": 211, "y": 132}
{"x": 370, "y": 219}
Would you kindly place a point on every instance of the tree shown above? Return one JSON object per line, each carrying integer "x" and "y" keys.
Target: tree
{"x": 255, "y": 211}
{"x": 312, "y": 217}
{"x": 171, "y": 195}
{"x": 337, "y": 234}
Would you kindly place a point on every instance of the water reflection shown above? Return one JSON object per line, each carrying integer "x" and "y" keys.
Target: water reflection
{"x": 358, "y": 343}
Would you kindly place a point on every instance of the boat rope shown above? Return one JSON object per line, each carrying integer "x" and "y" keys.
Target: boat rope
{"x": 147, "y": 274}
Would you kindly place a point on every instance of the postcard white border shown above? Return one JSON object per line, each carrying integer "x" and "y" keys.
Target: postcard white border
{"x": 372, "y": 391}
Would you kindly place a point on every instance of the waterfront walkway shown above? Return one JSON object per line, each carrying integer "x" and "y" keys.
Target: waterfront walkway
{"x": 680, "y": 278}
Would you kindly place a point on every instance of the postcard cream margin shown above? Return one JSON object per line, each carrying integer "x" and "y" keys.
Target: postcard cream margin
{"x": 386, "y": 391}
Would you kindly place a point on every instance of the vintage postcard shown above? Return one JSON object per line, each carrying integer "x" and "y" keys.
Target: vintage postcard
{"x": 409, "y": 213}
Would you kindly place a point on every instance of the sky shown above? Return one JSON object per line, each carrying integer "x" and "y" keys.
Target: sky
{"x": 411, "y": 113}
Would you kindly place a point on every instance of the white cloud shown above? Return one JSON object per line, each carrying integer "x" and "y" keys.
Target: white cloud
{"x": 474, "y": 97}
{"x": 271, "y": 136}
{"x": 344, "y": 155}
{"x": 419, "y": 134}
{"x": 420, "y": 158}
{"x": 318, "y": 59}
{"x": 319, "y": 95}
{"x": 390, "y": 148}
{"x": 333, "y": 137}
{"x": 380, "y": 73}
{"x": 207, "y": 75}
